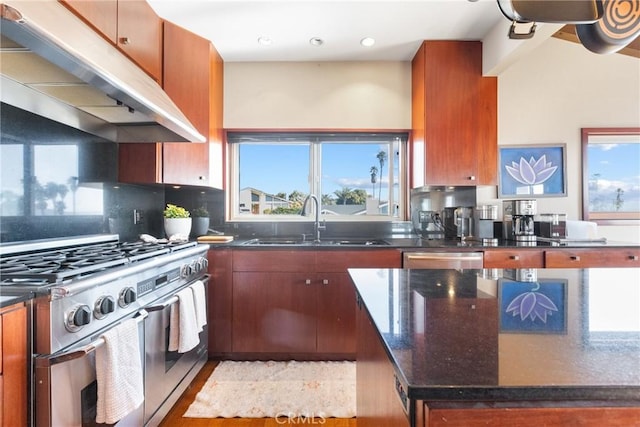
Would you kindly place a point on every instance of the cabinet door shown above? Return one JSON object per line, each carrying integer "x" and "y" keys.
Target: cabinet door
{"x": 274, "y": 312}
{"x": 14, "y": 361}
{"x": 102, "y": 15}
{"x": 220, "y": 294}
{"x": 140, "y": 36}
{"x": 186, "y": 81}
{"x": 587, "y": 258}
{"x": 336, "y": 314}
{"x": 513, "y": 258}
{"x": 454, "y": 117}
{"x": 377, "y": 403}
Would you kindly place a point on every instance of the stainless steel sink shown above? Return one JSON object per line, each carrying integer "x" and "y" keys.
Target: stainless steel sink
{"x": 283, "y": 241}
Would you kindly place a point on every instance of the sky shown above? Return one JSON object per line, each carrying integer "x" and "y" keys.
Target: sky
{"x": 618, "y": 166}
{"x": 343, "y": 165}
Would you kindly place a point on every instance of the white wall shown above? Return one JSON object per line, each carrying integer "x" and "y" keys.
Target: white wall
{"x": 547, "y": 97}
{"x": 315, "y": 95}
{"x": 550, "y": 95}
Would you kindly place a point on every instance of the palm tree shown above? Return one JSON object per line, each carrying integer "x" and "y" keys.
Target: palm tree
{"x": 382, "y": 157}
{"x": 374, "y": 175}
{"x": 343, "y": 195}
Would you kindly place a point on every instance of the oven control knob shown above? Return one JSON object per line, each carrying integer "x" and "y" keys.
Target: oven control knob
{"x": 103, "y": 306}
{"x": 78, "y": 317}
{"x": 203, "y": 264}
{"x": 127, "y": 296}
{"x": 186, "y": 270}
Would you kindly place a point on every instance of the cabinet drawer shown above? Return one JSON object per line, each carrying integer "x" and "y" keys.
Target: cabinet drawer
{"x": 340, "y": 261}
{"x": 274, "y": 260}
{"x": 511, "y": 258}
{"x": 586, "y": 258}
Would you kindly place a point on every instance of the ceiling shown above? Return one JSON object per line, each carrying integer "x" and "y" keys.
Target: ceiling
{"x": 397, "y": 26}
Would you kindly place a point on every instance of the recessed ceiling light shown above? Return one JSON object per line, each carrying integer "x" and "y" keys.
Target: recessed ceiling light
{"x": 368, "y": 41}
{"x": 265, "y": 41}
{"x": 316, "y": 41}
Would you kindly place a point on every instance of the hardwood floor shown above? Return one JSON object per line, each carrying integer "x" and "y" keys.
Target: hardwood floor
{"x": 174, "y": 417}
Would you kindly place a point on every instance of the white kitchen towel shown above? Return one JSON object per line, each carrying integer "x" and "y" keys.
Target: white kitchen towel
{"x": 119, "y": 373}
{"x": 199, "y": 299}
{"x": 183, "y": 328}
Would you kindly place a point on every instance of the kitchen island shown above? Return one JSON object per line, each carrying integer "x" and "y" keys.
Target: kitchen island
{"x": 498, "y": 347}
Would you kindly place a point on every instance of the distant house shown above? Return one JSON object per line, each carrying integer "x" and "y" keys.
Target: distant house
{"x": 254, "y": 201}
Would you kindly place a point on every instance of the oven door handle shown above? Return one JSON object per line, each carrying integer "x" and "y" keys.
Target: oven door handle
{"x": 83, "y": 351}
{"x": 174, "y": 298}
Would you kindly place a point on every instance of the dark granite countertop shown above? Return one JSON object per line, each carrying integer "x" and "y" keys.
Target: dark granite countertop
{"x": 417, "y": 243}
{"x": 7, "y": 300}
{"x": 482, "y": 335}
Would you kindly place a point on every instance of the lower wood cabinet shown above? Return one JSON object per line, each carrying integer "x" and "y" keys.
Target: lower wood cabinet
{"x": 513, "y": 258}
{"x": 377, "y": 404}
{"x": 286, "y": 303}
{"x": 13, "y": 365}
{"x": 561, "y": 257}
{"x": 588, "y": 258}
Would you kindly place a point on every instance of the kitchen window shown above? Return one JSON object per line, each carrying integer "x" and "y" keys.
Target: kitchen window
{"x": 355, "y": 176}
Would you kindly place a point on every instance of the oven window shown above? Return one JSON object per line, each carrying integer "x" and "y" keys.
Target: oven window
{"x": 89, "y": 404}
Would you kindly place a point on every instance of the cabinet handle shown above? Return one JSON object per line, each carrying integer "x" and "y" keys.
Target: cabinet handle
{"x": 307, "y": 282}
{"x": 514, "y": 257}
{"x": 472, "y": 178}
{"x": 125, "y": 40}
{"x": 202, "y": 178}
{"x": 633, "y": 257}
{"x": 325, "y": 281}
{"x": 574, "y": 258}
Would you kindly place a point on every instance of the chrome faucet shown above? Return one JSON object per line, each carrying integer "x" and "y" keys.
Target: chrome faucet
{"x": 316, "y": 224}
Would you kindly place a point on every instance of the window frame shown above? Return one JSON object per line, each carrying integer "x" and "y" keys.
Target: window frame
{"x": 315, "y": 163}
{"x": 605, "y": 218}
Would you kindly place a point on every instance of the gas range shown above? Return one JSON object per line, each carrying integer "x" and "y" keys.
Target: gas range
{"x": 83, "y": 285}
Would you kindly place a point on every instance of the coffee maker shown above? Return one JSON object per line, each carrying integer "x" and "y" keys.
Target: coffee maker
{"x": 458, "y": 222}
{"x": 518, "y": 220}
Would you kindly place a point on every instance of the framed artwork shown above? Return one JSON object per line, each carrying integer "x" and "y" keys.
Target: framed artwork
{"x": 538, "y": 307}
{"x": 532, "y": 171}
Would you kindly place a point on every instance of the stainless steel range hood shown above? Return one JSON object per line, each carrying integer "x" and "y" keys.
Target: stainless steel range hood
{"x": 54, "y": 65}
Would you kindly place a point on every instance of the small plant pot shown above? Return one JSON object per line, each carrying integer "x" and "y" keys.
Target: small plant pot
{"x": 200, "y": 226}
{"x": 181, "y": 226}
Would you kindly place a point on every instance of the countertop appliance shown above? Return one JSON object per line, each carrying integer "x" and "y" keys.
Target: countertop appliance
{"x": 85, "y": 286}
{"x": 518, "y": 220}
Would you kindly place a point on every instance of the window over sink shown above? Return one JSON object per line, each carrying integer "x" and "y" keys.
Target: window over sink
{"x": 355, "y": 176}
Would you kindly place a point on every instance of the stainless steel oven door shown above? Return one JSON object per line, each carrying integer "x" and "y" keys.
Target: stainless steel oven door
{"x": 167, "y": 373}
{"x": 66, "y": 390}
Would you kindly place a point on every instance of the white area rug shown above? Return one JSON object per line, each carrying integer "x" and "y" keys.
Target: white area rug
{"x": 277, "y": 389}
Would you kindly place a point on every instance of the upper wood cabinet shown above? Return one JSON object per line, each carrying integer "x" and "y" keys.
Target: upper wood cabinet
{"x": 193, "y": 79}
{"x": 453, "y": 117}
{"x": 131, "y": 25}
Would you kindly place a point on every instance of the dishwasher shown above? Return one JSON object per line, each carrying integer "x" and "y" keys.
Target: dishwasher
{"x": 435, "y": 260}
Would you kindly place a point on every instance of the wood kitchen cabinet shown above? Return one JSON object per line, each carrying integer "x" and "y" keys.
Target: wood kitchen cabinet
{"x": 131, "y": 25}
{"x": 590, "y": 258}
{"x": 296, "y": 303}
{"x": 13, "y": 365}
{"x": 513, "y": 258}
{"x": 453, "y": 117}
{"x": 377, "y": 402}
{"x": 193, "y": 79}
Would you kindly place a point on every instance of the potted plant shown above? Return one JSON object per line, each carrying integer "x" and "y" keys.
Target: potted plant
{"x": 177, "y": 221}
{"x": 200, "y": 221}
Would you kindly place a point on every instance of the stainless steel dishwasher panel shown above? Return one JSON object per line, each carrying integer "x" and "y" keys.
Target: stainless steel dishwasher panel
{"x": 439, "y": 260}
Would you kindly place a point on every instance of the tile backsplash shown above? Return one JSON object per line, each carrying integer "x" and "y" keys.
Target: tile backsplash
{"x": 57, "y": 182}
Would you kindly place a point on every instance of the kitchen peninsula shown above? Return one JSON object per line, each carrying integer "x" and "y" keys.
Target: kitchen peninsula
{"x": 498, "y": 347}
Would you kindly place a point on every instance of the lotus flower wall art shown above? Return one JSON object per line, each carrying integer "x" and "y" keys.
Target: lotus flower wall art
{"x": 532, "y": 171}
{"x": 533, "y": 307}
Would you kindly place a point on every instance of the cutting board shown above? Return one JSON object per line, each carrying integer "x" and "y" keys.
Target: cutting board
{"x": 215, "y": 239}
